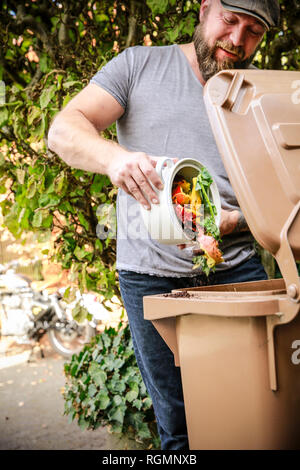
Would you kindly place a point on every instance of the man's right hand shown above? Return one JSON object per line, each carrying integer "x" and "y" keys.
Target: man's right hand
{"x": 133, "y": 172}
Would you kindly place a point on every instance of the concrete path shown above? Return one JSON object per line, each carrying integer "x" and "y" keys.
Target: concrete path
{"x": 31, "y": 407}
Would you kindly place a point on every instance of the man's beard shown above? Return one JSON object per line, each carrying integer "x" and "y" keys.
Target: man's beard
{"x": 207, "y": 62}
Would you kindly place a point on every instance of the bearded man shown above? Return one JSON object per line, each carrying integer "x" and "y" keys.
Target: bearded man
{"x": 155, "y": 95}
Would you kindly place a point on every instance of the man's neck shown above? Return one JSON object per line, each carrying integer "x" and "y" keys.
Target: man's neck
{"x": 190, "y": 53}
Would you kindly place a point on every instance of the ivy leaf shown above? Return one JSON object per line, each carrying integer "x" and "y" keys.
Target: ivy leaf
{"x": 66, "y": 100}
{"x": 83, "y": 220}
{"x": 81, "y": 253}
{"x": 79, "y": 313}
{"x": 24, "y": 218}
{"x": 33, "y": 114}
{"x": 147, "y": 403}
{"x": 188, "y": 25}
{"x": 83, "y": 423}
{"x": 143, "y": 389}
{"x": 19, "y": 126}
{"x": 132, "y": 395}
{"x": 134, "y": 386}
{"x": 102, "y": 17}
{"x": 59, "y": 80}
{"x": 43, "y": 62}
{"x": 3, "y": 116}
{"x": 173, "y": 33}
{"x": 157, "y": 6}
{"x": 117, "y": 340}
{"x": 70, "y": 294}
{"x": 49, "y": 199}
{"x": 3, "y": 161}
{"x": 37, "y": 219}
{"x": 117, "y": 414}
{"x": 47, "y": 96}
{"x": 47, "y": 219}
{"x": 82, "y": 356}
{"x": 98, "y": 375}
{"x": 92, "y": 390}
{"x": 31, "y": 189}
{"x": 60, "y": 183}
{"x": 65, "y": 206}
{"x": 117, "y": 400}
{"x": 71, "y": 83}
{"x": 72, "y": 414}
{"x": 118, "y": 363}
{"x": 106, "y": 340}
{"x": 116, "y": 385}
{"x": 116, "y": 427}
{"x": 98, "y": 183}
{"x": 39, "y": 130}
{"x": 11, "y": 220}
{"x": 103, "y": 399}
{"x": 136, "y": 419}
{"x": 143, "y": 431}
{"x": 137, "y": 403}
{"x": 73, "y": 370}
{"x": 20, "y": 175}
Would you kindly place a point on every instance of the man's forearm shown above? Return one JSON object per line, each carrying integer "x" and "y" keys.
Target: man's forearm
{"x": 79, "y": 144}
{"x": 75, "y": 139}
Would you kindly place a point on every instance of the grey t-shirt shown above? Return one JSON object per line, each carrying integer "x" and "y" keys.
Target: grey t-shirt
{"x": 164, "y": 115}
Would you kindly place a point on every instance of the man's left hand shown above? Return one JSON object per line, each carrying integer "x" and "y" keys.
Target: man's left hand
{"x": 231, "y": 222}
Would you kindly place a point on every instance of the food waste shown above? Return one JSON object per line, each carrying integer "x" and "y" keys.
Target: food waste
{"x": 196, "y": 213}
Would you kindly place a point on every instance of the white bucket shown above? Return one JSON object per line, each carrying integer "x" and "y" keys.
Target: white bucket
{"x": 161, "y": 221}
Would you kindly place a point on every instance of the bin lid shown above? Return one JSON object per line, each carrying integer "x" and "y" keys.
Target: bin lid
{"x": 255, "y": 117}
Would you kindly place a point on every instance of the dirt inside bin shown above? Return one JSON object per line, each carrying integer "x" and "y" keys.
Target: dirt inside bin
{"x": 177, "y": 295}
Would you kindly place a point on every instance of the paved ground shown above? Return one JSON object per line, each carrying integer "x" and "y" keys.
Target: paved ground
{"x": 31, "y": 406}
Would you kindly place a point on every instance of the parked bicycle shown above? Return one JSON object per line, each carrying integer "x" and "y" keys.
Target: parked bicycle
{"x": 28, "y": 314}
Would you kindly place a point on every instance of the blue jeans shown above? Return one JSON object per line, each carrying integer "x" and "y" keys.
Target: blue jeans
{"x": 155, "y": 360}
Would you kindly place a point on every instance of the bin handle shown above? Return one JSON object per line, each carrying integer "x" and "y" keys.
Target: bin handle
{"x": 288, "y": 309}
{"x": 233, "y": 90}
{"x": 160, "y": 166}
{"x": 286, "y": 261}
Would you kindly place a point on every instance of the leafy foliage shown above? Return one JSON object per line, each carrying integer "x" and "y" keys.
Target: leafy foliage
{"x": 211, "y": 228}
{"x": 105, "y": 388}
{"x": 204, "y": 181}
{"x": 280, "y": 48}
{"x": 201, "y": 262}
{"x": 43, "y": 194}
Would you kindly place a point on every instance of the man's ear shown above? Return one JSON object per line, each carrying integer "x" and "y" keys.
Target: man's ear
{"x": 204, "y": 5}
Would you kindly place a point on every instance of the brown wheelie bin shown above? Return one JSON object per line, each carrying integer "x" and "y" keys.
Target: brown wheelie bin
{"x": 238, "y": 345}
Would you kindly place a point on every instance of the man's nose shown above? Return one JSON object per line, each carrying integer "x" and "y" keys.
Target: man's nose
{"x": 237, "y": 36}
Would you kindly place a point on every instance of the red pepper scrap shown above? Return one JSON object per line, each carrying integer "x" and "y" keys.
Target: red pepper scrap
{"x": 179, "y": 196}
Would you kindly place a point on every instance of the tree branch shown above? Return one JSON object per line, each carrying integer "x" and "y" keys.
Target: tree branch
{"x": 132, "y": 22}
{"x": 23, "y": 20}
{"x": 63, "y": 37}
{"x": 12, "y": 74}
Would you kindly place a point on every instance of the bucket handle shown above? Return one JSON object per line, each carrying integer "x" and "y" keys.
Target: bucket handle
{"x": 161, "y": 164}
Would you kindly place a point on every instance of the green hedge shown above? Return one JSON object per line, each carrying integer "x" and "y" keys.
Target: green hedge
{"x": 104, "y": 387}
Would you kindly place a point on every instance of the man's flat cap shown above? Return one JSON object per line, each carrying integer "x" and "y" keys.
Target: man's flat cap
{"x": 267, "y": 11}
